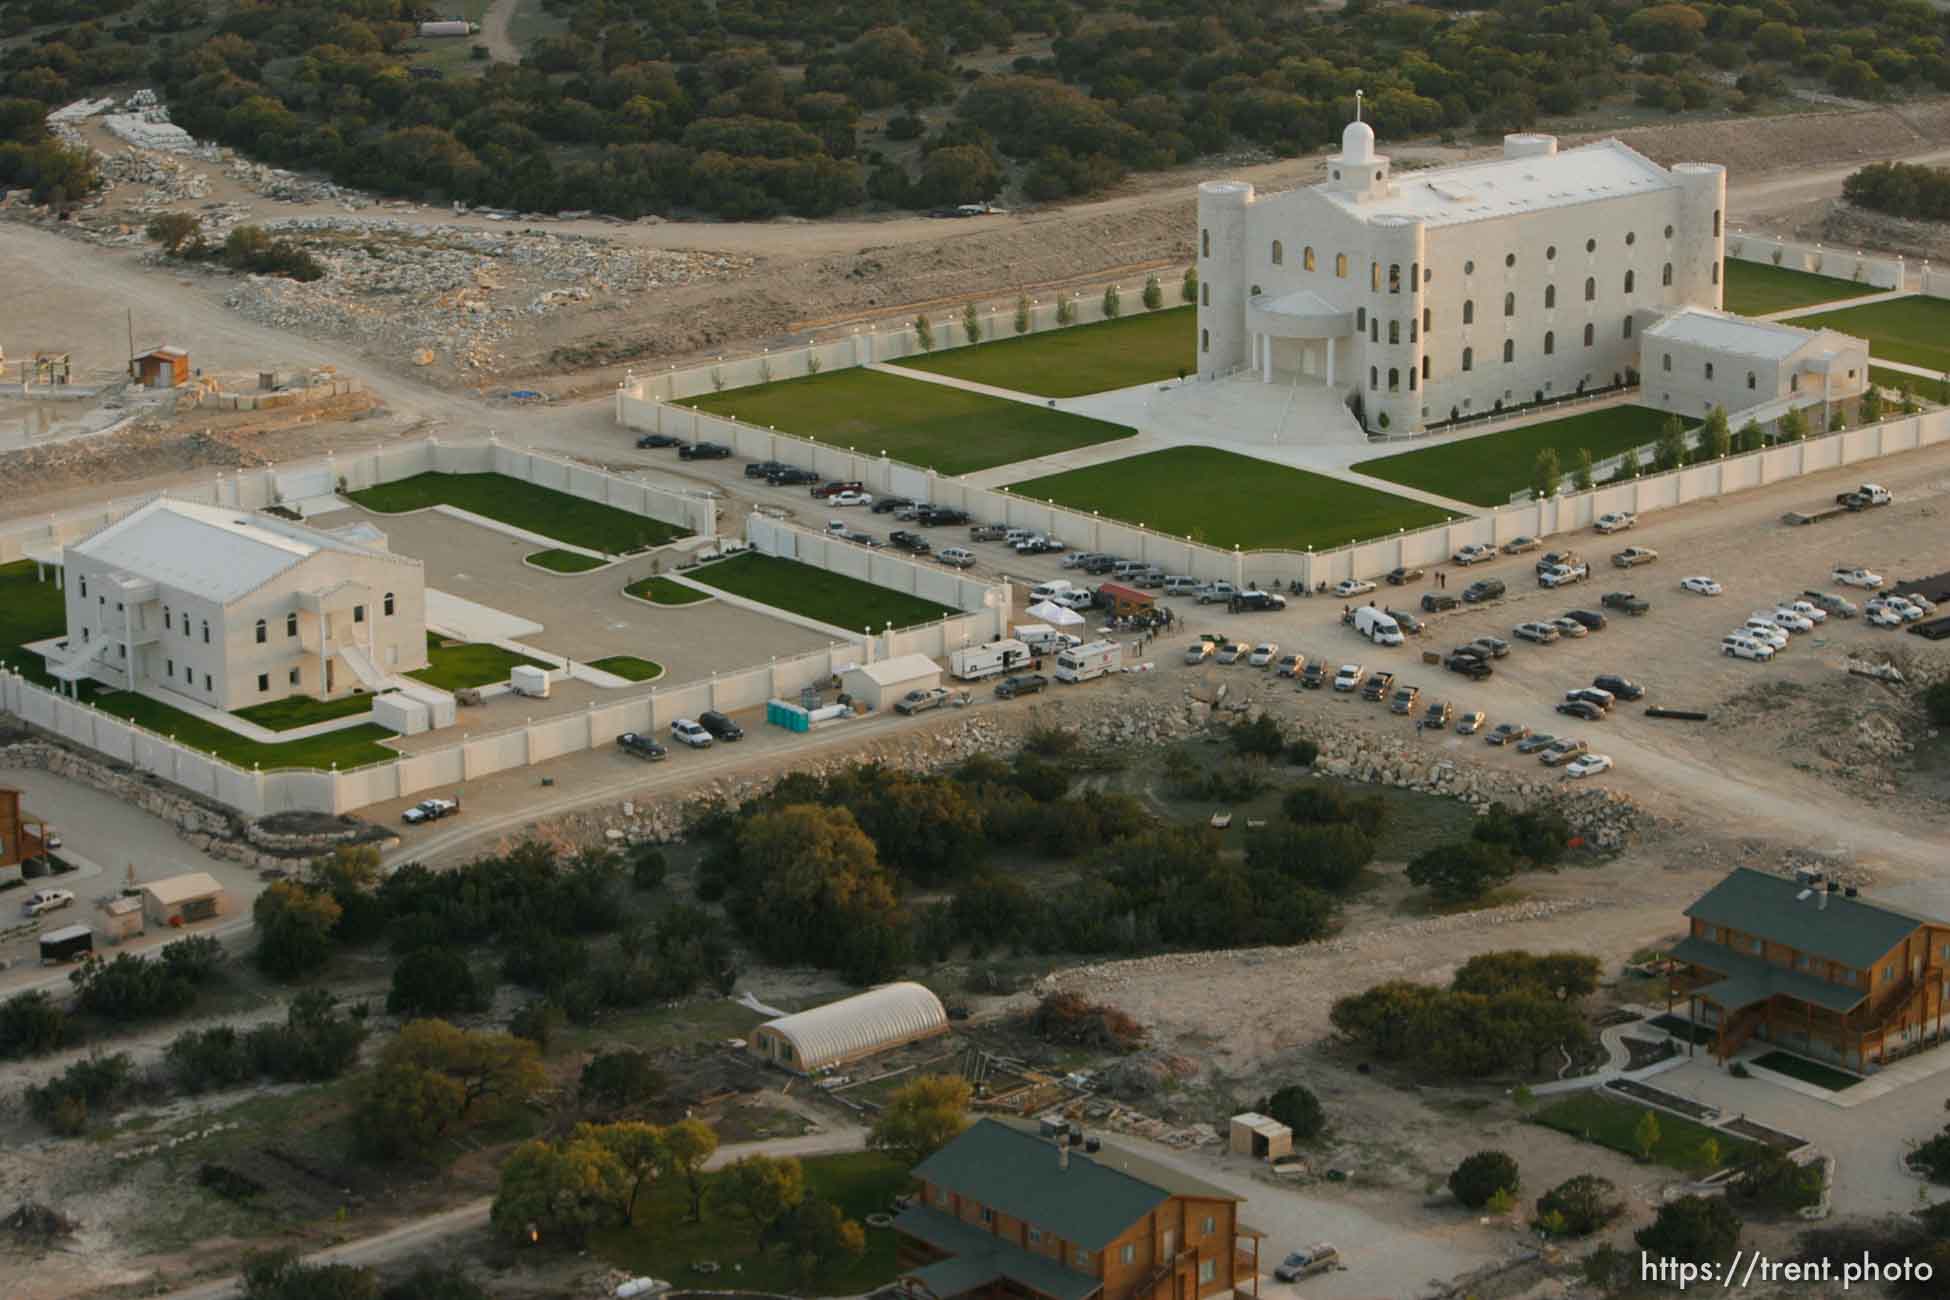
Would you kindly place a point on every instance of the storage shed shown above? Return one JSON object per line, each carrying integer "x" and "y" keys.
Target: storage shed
{"x": 878, "y": 685}
{"x": 1260, "y": 1136}
{"x": 161, "y": 368}
{"x": 185, "y": 899}
{"x": 122, "y": 918}
{"x": 860, "y": 1026}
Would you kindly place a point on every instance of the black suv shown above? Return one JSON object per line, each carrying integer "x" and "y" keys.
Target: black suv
{"x": 1253, "y": 602}
{"x": 907, "y": 541}
{"x": 1591, "y": 618}
{"x": 940, "y": 515}
{"x": 1623, "y": 687}
{"x": 765, "y": 468}
{"x": 635, "y": 742}
{"x": 1099, "y": 564}
{"x": 791, "y": 476}
{"x": 1402, "y": 575}
{"x": 1468, "y": 665}
{"x": 1434, "y": 602}
{"x": 720, "y": 727}
{"x": 882, "y": 505}
{"x": 1483, "y": 589}
{"x": 659, "y": 440}
{"x": 1626, "y": 601}
{"x": 1313, "y": 675}
{"x": 704, "y": 451}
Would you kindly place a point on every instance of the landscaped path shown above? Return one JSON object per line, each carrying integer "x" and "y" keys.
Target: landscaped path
{"x": 1840, "y": 304}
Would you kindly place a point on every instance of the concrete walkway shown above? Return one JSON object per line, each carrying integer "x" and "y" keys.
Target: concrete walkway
{"x": 1453, "y": 506}
{"x": 967, "y": 385}
{"x": 1906, "y": 368}
{"x": 1841, "y": 304}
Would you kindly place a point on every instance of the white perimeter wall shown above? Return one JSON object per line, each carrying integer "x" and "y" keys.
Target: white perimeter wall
{"x": 1841, "y": 263}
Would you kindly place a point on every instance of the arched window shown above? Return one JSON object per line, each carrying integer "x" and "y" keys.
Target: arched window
{"x": 1411, "y": 379}
{"x": 1394, "y": 277}
{"x": 291, "y": 625}
{"x": 1394, "y": 331}
{"x": 1550, "y": 254}
{"x": 1550, "y": 296}
{"x": 1469, "y": 267}
{"x": 1469, "y": 311}
{"x": 1469, "y": 359}
{"x": 1550, "y": 342}
{"x": 1374, "y": 330}
{"x": 1668, "y": 232}
{"x": 1630, "y": 280}
{"x": 1394, "y": 380}
{"x": 1590, "y": 245}
{"x": 206, "y": 631}
{"x": 1716, "y": 273}
{"x": 1205, "y": 340}
{"x": 1340, "y": 265}
{"x": 1360, "y": 319}
{"x": 1374, "y": 378}
{"x": 1590, "y": 288}
{"x": 1509, "y": 259}
{"x": 1254, "y": 292}
{"x": 1794, "y": 383}
{"x": 389, "y": 604}
{"x": 1414, "y": 275}
{"x": 1750, "y": 379}
{"x": 1411, "y": 329}
{"x": 1716, "y": 223}
{"x": 1279, "y": 253}
{"x": 1631, "y": 237}
{"x": 1374, "y": 277}
{"x": 1665, "y": 363}
{"x": 1205, "y": 243}
{"x": 1307, "y": 258}
{"x": 1205, "y": 295}
{"x": 1509, "y": 304}
{"x": 1425, "y": 320}
{"x": 1509, "y": 351}
{"x": 1709, "y": 370}
{"x": 1425, "y": 365}
{"x": 1590, "y": 334}
{"x": 1628, "y": 327}
{"x": 263, "y": 632}
{"x": 1665, "y": 274}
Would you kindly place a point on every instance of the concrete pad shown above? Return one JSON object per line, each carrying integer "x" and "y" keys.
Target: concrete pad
{"x": 456, "y": 616}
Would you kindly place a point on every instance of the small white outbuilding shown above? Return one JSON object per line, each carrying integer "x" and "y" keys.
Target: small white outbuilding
{"x": 866, "y": 1023}
{"x": 879, "y": 684}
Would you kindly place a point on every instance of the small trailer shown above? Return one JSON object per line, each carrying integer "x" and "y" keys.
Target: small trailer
{"x": 971, "y": 663}
{"x": 69, "y": 943}
{"x": 1085, "y": 662}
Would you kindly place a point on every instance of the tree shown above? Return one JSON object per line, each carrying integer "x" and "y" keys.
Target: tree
{"x": 425, "y": 1283}
{"x": 557, "y": 1193}
{"x": 1567, "y": 975}
{"x": 1066, "y": 311}
{"x": 281, "y": 1275}
{"x": 1259, "y": 737}
{"x": 495, "y": 1071}
{"x": 1670, "y": 451}
{"x": 1872, "y": 405}
{"x": 1113, "y": 303}
{"x": 1296, "y": 1107}
{"x": 1645, "y": 1137}
{"x": 1583, "y": 1204}
{"x": 640, "y": 1153}
{"x": 1188, "y": 289}
{"x": 816, "y": 1236}
{"x": 1462, "y": 872}
{"x": 1022, "y": 314}
{"x": 1694, "y": 1229}
{"x": 1936, "y": 701}
{"x": 1749, "y": 438}
{"x": 175, "y": 230}
{"x": 1326, "y": 857}
{"x": 1154, "y": 293}
{"x": 647, "y": 865}
{"x": 924, "y": 333}
{"x": 294, "y": 929}
{"x": 921, "y": 1117}
{"x": 433, "y": 982}
{"x": 971, "y": 323}
{"x": 1581, "y": 471}
{"x": 31, "y": 1023}
{"x": 1628, "y": 464}
{"x": 1791, "y": 427}
{"x": 814, "y": 890}
{"x": 1539, "y": 836}
{"x": 617, "y": 1080}
{"x": 404, "y": 1111}
{"x": 760, "y": 1188}
{"x": 690, "y": 1143}
{"x": 1715, "y": 439}
{"x": 1482, "y": 1176}
{"x": 1545, "y": 471}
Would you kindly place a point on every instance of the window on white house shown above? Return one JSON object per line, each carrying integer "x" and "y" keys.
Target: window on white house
{"x": 389, "y": 604}
{"x": 1709, "y": 370}
{"x": 1590, "y": 333}
{"x": 1469, "y": 359}
{"x": 1509, "y": 351}
{"x": 1340, "y": 265}
{"x": 1469, "y": 311}
{"x": 1628, "y": 327}
{"x": 1550, "y": 296}
{"x": 206, "y": 631}
{"x": 1630, "y": 280}
{"x": 1550, "y": 342}
{"x": 291, "y": 625}
{"x": 1665, "y": 274}
{"x": 1665, "y": 362}
{"x": 206, "y": 682}
{"x": 1509, "y": 304}
{"x": 169, "y": 669}
{"x": 1205, "y": 243}
{"x": 264, "y": 681}
{"x": 263, "y": 632}
{"x": 1307, "y": 258}
{"x": 1279, "y": 253}
{"x": 294, "y": 676}
{"x": 358, "y": 613}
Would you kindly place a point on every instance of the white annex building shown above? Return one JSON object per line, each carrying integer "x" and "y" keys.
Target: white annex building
{"x": 232, "y": 609}
{"x": 1454, "y": 291}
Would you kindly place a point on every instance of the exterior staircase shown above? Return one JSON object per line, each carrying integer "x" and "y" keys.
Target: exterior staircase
{"x": 364, "y": 669}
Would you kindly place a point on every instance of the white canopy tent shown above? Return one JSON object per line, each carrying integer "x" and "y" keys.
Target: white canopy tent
{"x": 1054, "y": 614}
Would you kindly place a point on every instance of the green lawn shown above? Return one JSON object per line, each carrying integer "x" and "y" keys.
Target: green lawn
{"x": 1591, "y": 1117}
{"x": 631, "y": 667}
{"x": 1800, "y": 1067}
{"x": 1914, "y": 331}
{"x": 540, "y": 510}
{"x": 29, "y": 611}
{"x": 1488, "y": 469}
{"x": 947, "y": 429}
{"x": 302, "y": 710}
{"x": 815, "y": 593}
{"x": 1225, "y": 499}
{"x": 564, "y": 561}
{"x": 457, "y": 667}
{"x": 1924, "y": 388}
{"x": 1081, "y": 359}
{"x": 661, "y": 1244}
{"x": 665, "y": 592}
{"x": 1758, "y": 288}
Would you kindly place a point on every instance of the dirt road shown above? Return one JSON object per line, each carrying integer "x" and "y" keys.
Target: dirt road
{"x": 494, "y": 32}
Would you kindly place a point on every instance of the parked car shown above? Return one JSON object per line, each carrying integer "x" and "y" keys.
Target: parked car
{"x": 987, "y": 533}
{"x": 1401, "y": 575}
{"x": 1405, "y": 700}
{"x": 635, "y": 742}
{"x": 1349, "y": 677}
{"x": 908, "y": 540}
{"x": 939, "y": 516}
{"x": 1562, "y": 751}
{"x": 1562, "y": 575}
{"x": 1901, "y": 606}
{"x": 921, "y": 701}
{"x": 1216, "y": 593}
{"x": 1551, "y": 559}
{"x": 1377, "y": 685}
{"x": 1570, "y": 627}
{"x": 1304, "y": 1263}
{"x": 1435, "y": 602}
{"x": 1292, "y": 665}
{"x": 1507, "y": 733}
{"x": 1437, "y": 714}
{"x": 1617, "y": 521}
{"x": 42, "y": 901}
{"x": 429, "y": 810}
{"x": 1541, "y": 633}
{"x": 1518, "y": 545}
{"x": 1786, "y": 618}
{"x": 1633, "y": 556}
{"x": 837, "y": 486}
{"x": 1808, "y": 609}
{"x": 1231, "y": 652}
{"x": 791, "y": 477}
{"x": 1584, "y": 710}
{"x": 887, "y": 505}
{"x": 1624, "y": 601}
{"x": 1535, "y": 743}
{"x": 956, "y": 557}
{"x": 1255, "y": 602}
{"x": 1883, "y": 616}
{"x": 1597, "y": 695}
{"x": 659, "y": 440}
{"x": 1076, "y": 598}
{"x": 1198, "y": 652}
{"x": 689, "y": 732}
{"x": 1077, "y": 559}
{"x": 1919, "y": 600}
{"x": 1023, "y": 684}
{"x": 764, "y": 468}
{"x": 1468, "y": 665}
{"x": 1745, "y": 647}
{"x": 1701, "y": 586}
{"x": 720, "y": 726}
{"x": 1495, "y": 646}
{"x": 850, "y": 498}
{"x": 1407, "y": 622}
{"x": 1353, "y": 587}
{"x": 1622, "y": 687}
{"x": 1591, "y": 618}
{"x": 704, "y": 451}
{"x": 1312, "y": 676}
{"x": 1473, "y": 553}
{"x": 1470, "y": 723}
{"x": 1483, "y": 589}
{"x": 1855, "y": 576}
{"x": 1263, "y": 654}
{"x": 1099, "y": 564}
{"x": 1588, "y": 765}
{"x": 1764, "y": 630}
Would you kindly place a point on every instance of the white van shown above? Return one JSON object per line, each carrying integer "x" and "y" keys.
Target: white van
{"x": 1085, "y": 662}
{"x": 1043, "y": 639}
{"x": 1377, "y": 626}
{"x": 1049, "y": 590}
{"x": 1015, "y": 535}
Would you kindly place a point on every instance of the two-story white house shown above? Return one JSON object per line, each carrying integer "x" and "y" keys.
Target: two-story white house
{"x": 231, "y": 608}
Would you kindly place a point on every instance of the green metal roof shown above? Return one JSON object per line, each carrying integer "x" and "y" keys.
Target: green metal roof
{"x": 1751, "y": 979}
{"x": 980, "y": 1257}
{"x": 1090, "y": 1203}
{"x": 1852, "y": 931}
